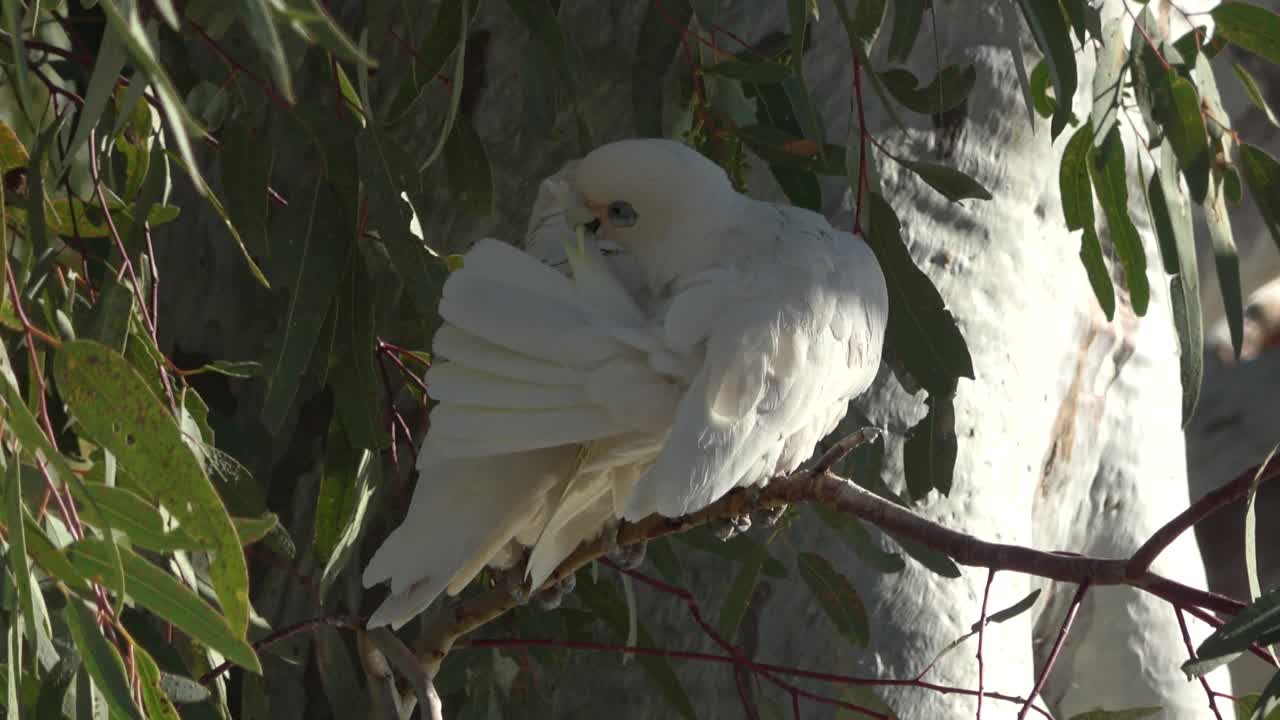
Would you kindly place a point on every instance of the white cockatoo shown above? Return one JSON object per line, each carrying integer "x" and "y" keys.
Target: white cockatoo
{"x": 567, "y": 402}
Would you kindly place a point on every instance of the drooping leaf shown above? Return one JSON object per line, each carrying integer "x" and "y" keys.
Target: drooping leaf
{"x": 921, "y": 330}
{"x": 929, "y": 454}
{"x": 1262, "y": 176}
{"x": 858, "y": 538}
{"x": 1227, "y": 261}
{"x": 947, "y": 91}
{"x": 953, "y": 184}
{"x": 1108, "y": 80}
{"x": 1254, "y": 92}
{"x": 1049, "y": 28}
{"x": 1171, "y": 215}
{"x": 907, "y": 18}
{"x": 317, "y": 247}
{"x": 933, "y": 560}
{"x": 1261, "y": 706}
{"x": 467, "y": 165}
{"x": 756, "y": 72}
{"x": 1184, "y": 127}
{"x": 1013, "y": 610}
{"x": 102, "y": 82}
{"x": 1077, "y": 210}
{"x": 836, "y": 596}
{"x": 100, "y": 660}
{"x": 160, "y": 593}
{"x": 606, "y": 603}
{"x": 738, "y": 598}
{"x": 1107, "y": 171}
{"x": 1249, "y": 27}
{"x": 739, "y": 549}
{"x": 1258, "y": 623}
{"x": 660, "y": 35}
{"x": 116, "y": 408}
{"x": 151, "y": 686}
{"x": 355, "y": 505}
{"x": 260, "y": 21}
{"x": 313, "y": 21}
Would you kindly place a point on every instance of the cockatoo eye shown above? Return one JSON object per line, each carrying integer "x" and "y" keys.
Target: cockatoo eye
{"x": 621, "y": 214}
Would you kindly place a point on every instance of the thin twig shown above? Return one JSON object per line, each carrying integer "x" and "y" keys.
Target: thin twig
{"x": 1057, "y": 646}
{"x": 1191, "y": 652}
{"x": 982, "y": 626}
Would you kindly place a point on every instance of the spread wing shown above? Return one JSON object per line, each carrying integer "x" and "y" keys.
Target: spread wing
{"x": 789, "y": 341}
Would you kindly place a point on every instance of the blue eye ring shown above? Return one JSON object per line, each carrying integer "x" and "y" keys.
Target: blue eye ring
{"x": 621, "y": 214}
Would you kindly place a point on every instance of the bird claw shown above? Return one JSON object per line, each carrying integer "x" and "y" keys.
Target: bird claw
{"x": 768, "y": 517}
{"x": 727, "y": 528}
{"x": 629, "y": 557}
{"x": 551, "y": 598}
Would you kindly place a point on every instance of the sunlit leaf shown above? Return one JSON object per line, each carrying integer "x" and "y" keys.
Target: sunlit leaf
{"x": 1049, "y": 28}
{"x": 159, "y": 592}
{"x": 115, "y": 408}
{"x": 953, "y": 184}
{"x": 1254, "y": 92}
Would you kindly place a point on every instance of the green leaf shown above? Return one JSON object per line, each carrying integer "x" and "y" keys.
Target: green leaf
{"x": 134, "y": 34}
{"x": 1045, "y": 103}
{"x": 1262, "y": 176}
{"x": 245, "y": 163}
{"x": 109, "y": 323}
{"x": 364, "y": 478}
{"x": 604, "y": 600}
{"x": 422, "y": 271}
{"x": 1227, "y": 261}
{"x": 310, "y": 19}
{"x": 660, "y": 36}
{"x": 1249, "y": 27}
{"x": 1013, "y": 610}
{"x": 254, "y": 529}
{"x": 1077, "y": 211}
{"x": 1086, "y": 20}
{"x": 858, "y": 538}
{"x": 135, "y": 517}
{"x": 1049, "y": 28}
{"x": 160, "y": 593}
{"x": 907, "y": 18}
{"x": 357, "y": 394}
{"x": 336, "y": 500}
{"x": 929, "y": 454}
{"x": 921, "y": 330}
{"x": 100, "y": 659}
{"x": 1108, "y": 81}
{"x": 17, "y": 555}
{"x": 739, "y": 548}
{"x": 116, "y": 409}
{"x": 12, "y": 152}
{"x": 1106, "y": 169}
{"x": 837, "y": 597}
{"x": 933, "y": 560}
{"x": 738, "y": 598}
{"x": 467, "y": 165}
{"x": 953, "y": 184}
{"x": 1185, "y": 128}
{"x": 258, "y": 18}
{"x": 1074, "y": 184}
{"x": 1254, "y": 92}
{"x": 798, "y": 21}
{"x": 317, "y": 246}
{"x": 339, "y": 676}
{"x": 948, "y": 90}
{"x": 1259, "y": 623}
{"x": 1265, "y": 706}
{"x": 102, "y": 82}
{"x": 151, "y": 684}
{"x": 1128, "y": 714}
{"x": 861, "y": 29}
{"x": 751, "y": 71}
{"x": 1171, "y": 215}
{"x": 18, "y": 418}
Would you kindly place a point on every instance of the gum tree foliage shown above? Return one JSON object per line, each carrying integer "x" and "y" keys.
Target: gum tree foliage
{"x": 137, "y": 507}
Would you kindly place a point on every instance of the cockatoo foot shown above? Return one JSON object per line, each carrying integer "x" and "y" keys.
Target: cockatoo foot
{"x": 727, "y": 528}
{"x": 551, "y": 598}
{"x": 629, "y": 557}
{"x": 768, "y": 517}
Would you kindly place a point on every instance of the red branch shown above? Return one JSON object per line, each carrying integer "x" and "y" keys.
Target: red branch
{"x": 1191, "y": 652}
{"x": 982, "y": 626}
{"x": 1057, "y": 646}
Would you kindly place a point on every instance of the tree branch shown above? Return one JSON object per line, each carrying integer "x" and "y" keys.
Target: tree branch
{"x": 818, "y": 485}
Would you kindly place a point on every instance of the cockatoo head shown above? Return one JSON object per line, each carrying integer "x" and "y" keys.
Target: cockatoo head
{"x": 657, "y": 199}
